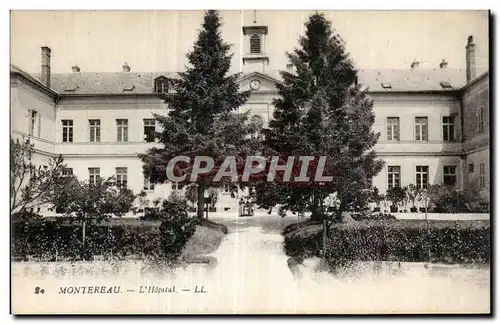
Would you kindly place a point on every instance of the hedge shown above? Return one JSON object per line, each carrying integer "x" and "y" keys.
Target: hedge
{"x": 404, "y": 241}
{"x": 42, "y": 239}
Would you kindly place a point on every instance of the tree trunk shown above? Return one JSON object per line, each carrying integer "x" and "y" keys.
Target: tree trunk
{"x": 201, "y": 200}
{"x": 325, "y": 236}
{"x": 315, "y": 215}
{"x": 84, "y": 223}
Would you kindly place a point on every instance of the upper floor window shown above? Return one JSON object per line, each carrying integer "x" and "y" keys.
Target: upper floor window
{"x": 34, "y": 123}
{"x": 449, "y": 175}
{"x": 122, "y": 130}
{"x": 480, "y": 120}
{"x": 121, "y": 177}
{"x": 422, "y": 176}
{"x": 67, "y": 130}
{"x": 94, "y": 174}
{"x": 394, "y": 176}
{"x": 95, "y": 130}
{"x": 421, "y": 128}
{"x": 149, "y": 130}
{"x": 255, "y": 44}
{"x": 448, "y": 128}
{"x": 393, "y": 128}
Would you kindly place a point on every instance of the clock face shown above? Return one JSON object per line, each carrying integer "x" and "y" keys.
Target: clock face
{"x": 255, "y": 84}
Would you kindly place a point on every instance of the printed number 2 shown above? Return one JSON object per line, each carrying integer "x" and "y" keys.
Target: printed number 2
{"x": 39, "y": 290}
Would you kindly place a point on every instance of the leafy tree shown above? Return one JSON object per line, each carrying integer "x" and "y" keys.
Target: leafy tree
{"x": 32, "y": 185}
{"x": 396, "y": 195}
{"x": 201, "y": 119}
{"x": 91, "y": 203}
{"x": 176, "y": 227}
{"x": 322, "y": 111}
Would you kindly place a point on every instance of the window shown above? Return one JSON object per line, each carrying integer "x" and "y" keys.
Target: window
{"x": 393, "y": 128}
{"x": 422, "y": 176}
{"x": 161, "y": 86}
{"x": 471, "y": 167}
{"x": 448, "y": 129}
{"x": 149, "y": 130}
{"x": 67, "y": 130}
{"x": 148, "y": 185}
{"x": 34, "y": 123}
{"x": 482, "y": 175}
{"x": 226, "y": 188}
{"x": 177, "y": 186}
{"x": 66, "y": 172}
{"x": 122, "y": 130}
{"x": 480, "y": 120}
{"x": 94, "y": 175}
{"x": 449, "y": 175}
{"x": 95, "y": 130}
{"x": 394, "y": 176}
{"x": 255, "y": 43}
{"x": 121, "y": 177}
{"x": 421, "y": 128}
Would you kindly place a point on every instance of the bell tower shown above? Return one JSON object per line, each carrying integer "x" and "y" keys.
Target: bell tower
{"x": 254, "y": 56}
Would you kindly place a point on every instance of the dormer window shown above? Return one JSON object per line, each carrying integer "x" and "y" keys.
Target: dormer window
{"x": 161, "y": 85}
{"x": 255, "y": 44}
{"x": 445, "y": 84}
{"x": 129, "y": 88}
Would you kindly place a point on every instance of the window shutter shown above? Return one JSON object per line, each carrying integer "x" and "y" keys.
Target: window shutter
{"x": 39, "y": 124}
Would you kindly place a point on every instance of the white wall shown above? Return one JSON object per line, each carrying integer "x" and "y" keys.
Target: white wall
{"x": 24, "y": 98}
{"x": 476, "y": 158}
{"x": 408, "y": 169}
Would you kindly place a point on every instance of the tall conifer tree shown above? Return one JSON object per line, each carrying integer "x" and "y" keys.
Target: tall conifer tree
{"x": 202, "y": 117}
{"x": 322, "y": 111}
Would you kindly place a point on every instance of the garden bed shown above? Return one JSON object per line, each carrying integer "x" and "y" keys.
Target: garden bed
{"x": 401, "y": 240}
{"x": 52, "y": 240}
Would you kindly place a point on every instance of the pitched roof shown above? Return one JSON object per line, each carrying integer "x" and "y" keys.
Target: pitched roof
{"x": 31, "y": 78}
{"x": 386, "y": 80}
{"x": 411, "y": 80}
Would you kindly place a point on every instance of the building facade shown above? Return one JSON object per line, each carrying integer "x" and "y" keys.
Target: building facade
{"x": 433, "y": 123}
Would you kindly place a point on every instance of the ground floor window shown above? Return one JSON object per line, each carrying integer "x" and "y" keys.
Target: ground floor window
{"x": 422, "y": 176}
{"x": 449, "y": 175}
{"x": 394, "y": 176}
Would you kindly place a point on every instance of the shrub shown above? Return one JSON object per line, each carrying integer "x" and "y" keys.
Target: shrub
{"x": 449, "y": 199}
{"x": 304, "y": 242}
{"x": 396, "y": 195}
{"x": 176, "y": 226}
{"x": 404, "y": 241}
{"x": 151, "y": 214}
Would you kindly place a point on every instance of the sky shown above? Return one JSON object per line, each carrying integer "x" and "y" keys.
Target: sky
{"x": 101, "y": 41}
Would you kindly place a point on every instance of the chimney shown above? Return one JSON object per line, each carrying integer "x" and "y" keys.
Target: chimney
{"x": 45, "y": 77}
{"x": 470, "y": 59}
{"x": 126, "y": 67}
{"x": 75, "y": 68}
{"x": 443, "y": 64}
{"x": 415, "y": 64}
